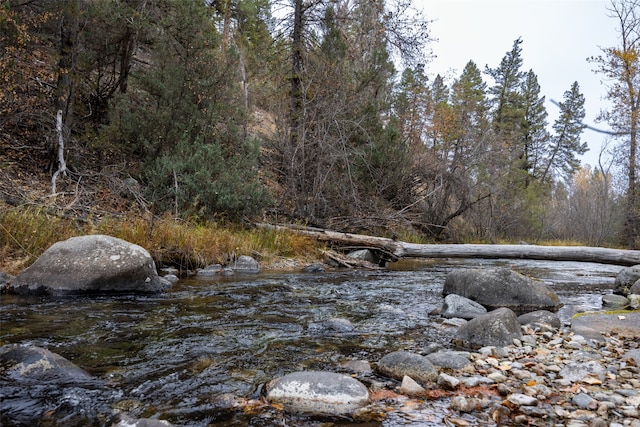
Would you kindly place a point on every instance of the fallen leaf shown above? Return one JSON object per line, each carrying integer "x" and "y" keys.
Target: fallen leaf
{"x": 591, "y": 380}
{"x": 572, "y": 389}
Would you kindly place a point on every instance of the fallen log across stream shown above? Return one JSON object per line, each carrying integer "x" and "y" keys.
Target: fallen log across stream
{"x": 392, "y": 250}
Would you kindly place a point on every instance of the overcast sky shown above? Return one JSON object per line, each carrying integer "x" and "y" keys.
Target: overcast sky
{"x": 558, "y": 36}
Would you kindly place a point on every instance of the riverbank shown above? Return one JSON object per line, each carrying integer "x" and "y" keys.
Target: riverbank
{"x": 27, "y": 231}
{"x": 186, "y": 245}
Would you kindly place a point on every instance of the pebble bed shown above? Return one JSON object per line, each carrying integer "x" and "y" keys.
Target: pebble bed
{"x": 550, "y": 377}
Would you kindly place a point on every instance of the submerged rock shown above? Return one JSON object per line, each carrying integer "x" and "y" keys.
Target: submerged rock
{"x": 123, "y": 420}
{"x": 91, "y": 264}
{"x": 497, "y": 328}
{"x": 41, "y": 388}
{"x": 501, "y": 287}
{"x": 36, "y": 363}
{"x": 336, "y": 325}
{"x": 447, "y": 381}
{"x": 319, "y": 392}
{"x": 316, "y": 267}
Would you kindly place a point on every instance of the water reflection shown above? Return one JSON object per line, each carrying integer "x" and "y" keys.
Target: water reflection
{"x": 172, "y": 356}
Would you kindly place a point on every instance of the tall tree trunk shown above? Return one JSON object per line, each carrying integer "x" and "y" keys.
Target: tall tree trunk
{"x": 296, "y": 71}
{"x": 633, "y": 198}
{"x": 68, "y": 32}
{"x": 226, "y": 26}
{"x": 126, "y": 57}
{"x": 296, "y": 173}
{"x": 64, "y": 92}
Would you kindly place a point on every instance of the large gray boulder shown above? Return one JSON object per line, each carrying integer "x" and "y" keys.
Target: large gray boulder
{"x": 497, "y": 328}
{"x": 501, "y": 287}
{"x": 319, "y": 393}
{"x": 91, "y": 264}
{"x": 397, "y": 364}
{"x": 625, "y": 279}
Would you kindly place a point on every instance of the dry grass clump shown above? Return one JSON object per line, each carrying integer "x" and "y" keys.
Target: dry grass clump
{"x": 27, "y": 232}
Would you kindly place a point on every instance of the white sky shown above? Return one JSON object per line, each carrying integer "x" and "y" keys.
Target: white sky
{"x": 558, "y": 36}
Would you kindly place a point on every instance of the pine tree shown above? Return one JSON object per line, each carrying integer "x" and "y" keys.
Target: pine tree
{"x": 184, "y": 119}
{"x": 439, "y": 91}
{"x": 468, "y": 97}
{"x": 508, "y": 105}
{"x": 508, "y": 176}
{"x": 441, "y": 119}
{"x": 412, "y": 105}
{"x": 561, "y": 157}
{"x": 535, "y": 136}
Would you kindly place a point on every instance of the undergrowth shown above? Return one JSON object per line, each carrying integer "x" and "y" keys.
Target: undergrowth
{"x": 25, "y": 233}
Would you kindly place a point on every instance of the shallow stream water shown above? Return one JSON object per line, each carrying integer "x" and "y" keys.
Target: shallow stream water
{"x": 181, "y": 355}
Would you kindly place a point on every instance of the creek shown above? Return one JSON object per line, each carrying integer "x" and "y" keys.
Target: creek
{"x": 180, "y": 355}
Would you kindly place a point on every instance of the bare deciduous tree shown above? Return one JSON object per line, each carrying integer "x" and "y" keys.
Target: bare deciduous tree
{"x": 620, "y": 65}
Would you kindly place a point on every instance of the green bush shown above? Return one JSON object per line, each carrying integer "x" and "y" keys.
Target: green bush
{"x": 200, "y": 180}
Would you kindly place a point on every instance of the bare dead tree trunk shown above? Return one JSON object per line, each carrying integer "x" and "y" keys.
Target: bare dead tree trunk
{"x": 175, "y": 190}
{"x": 245, "y": 90}
{"x": 62, "y": 166}
{"x": 414, "y": 250}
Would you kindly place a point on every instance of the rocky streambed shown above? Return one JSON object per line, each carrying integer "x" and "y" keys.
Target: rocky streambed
{"x": 211, "y": 350}
{"x": 548, "y": 377}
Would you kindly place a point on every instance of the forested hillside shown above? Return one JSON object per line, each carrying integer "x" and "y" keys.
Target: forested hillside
{"x": 323, "y": 113}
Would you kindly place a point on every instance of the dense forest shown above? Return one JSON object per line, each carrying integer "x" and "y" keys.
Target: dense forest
{"x": 316, "y": 112}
